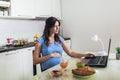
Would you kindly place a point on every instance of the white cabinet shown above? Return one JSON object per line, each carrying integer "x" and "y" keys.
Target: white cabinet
{"x": 16, "y": 65}
{"x": 27, "y": 63}
{"x": 22, "y": 8}
{"x": 56, "y": 8}
{"x": 47, "y": 8}
{"x": 13, "y": 64}
{"x": 34, "y": 8}
{"x": 42, "y": 8}
{"x": 2, "y": 67}
{"x": 10, "y": 66}
{"x": 68, "y": 42}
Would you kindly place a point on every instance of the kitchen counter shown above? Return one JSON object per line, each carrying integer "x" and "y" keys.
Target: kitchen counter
{"x": 10, "y": 48}
{"x": 66, "y": 38}
{"x": 31, "y": 44}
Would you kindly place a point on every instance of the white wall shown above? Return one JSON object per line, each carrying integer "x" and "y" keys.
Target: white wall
{"x": 19, "y": 29}
{"x": 83, "y": 18}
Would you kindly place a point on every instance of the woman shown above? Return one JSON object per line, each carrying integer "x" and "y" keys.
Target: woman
{"x": 51, "y": 46}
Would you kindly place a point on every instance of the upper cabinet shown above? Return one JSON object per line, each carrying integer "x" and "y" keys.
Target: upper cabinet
{"x": 4, "y": 7}
{"x": 42, "y": 8}
{"x": 23, "y": 8}
{"x": 56, "y": 8}
{"x": 47, "y": 8}
{"x": 33, "y": 8}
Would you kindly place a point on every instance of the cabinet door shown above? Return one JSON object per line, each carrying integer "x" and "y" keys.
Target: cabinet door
{"x": 56, "y": 8}
{"x": 68, "y": 42}
{"x": 2, "y": 66}
{"x": 24, "y": 8}
{"x": 27, "y": 63}
{"x": 42, "y": 8}
{"x": 14, "y": 70}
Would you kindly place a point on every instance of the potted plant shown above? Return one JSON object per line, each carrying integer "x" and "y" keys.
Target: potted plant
{"x": 118, "y": 53}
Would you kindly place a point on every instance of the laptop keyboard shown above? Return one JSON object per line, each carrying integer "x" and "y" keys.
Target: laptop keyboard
{"x": 98, "y": 59}
{"x": 94, "y": 60}
{"x": 103, "y": 60}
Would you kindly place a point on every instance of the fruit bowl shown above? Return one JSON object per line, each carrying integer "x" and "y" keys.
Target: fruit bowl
{"x": 80, "y": 64}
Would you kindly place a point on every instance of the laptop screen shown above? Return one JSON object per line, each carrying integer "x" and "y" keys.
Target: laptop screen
{"x": 109, "y": 46}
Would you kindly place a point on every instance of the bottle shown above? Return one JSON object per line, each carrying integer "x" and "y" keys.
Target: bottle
{"x": 36, "y": 37}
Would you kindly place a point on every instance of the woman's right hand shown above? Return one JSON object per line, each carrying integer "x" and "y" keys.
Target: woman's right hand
{"x": 55, "y": 54}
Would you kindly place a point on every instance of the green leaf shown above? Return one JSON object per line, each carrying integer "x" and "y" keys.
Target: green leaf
{"x": 118, "y": 50}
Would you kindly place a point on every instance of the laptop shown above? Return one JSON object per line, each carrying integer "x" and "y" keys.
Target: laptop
{"x": 98, "y": 61}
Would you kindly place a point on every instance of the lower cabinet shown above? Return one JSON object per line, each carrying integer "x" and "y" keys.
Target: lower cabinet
{"x": 2, "y": 67}
{"x": 16, "y": 65}
{"x": 27, "y": 63}
{"x": 68, "y": 42}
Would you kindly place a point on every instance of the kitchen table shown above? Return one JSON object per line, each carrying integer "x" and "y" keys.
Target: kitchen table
{"x": 111, "y": 72}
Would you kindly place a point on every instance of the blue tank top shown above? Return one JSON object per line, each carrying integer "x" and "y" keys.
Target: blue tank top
{"x": 46, "y": 50}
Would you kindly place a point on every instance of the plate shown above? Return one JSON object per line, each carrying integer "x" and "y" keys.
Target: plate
{"x": 83, "y": 72}
{"x": 84, "y": 77}
{"x": 55, "y": 73}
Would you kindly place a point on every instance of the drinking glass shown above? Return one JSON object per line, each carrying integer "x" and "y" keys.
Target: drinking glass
{"x": 63, "y": 64}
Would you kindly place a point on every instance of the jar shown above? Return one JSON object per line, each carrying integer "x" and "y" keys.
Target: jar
{"x": 1, "y": 13}
{"x": 5, "y": 13}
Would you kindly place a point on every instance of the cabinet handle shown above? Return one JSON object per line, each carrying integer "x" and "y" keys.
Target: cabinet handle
{"x": 11, "y": 53}
{"x": 29, "y": 49}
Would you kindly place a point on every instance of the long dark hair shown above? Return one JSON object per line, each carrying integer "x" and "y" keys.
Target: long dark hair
{"x": 50, "y": 22}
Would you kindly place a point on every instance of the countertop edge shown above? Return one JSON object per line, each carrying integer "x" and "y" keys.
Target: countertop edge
{"x": 31, "y": 44}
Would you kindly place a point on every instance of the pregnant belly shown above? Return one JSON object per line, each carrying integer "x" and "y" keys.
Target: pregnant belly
{"x": 54, "y": 61}
{"x": 51, "y": 62}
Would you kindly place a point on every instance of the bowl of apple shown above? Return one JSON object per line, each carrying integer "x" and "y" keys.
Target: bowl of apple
{"x": 80, "y": 64}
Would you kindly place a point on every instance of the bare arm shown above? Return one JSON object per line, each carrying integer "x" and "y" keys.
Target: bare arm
{"x": 37, "y": 59}
{"x": 74, "y": 54}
